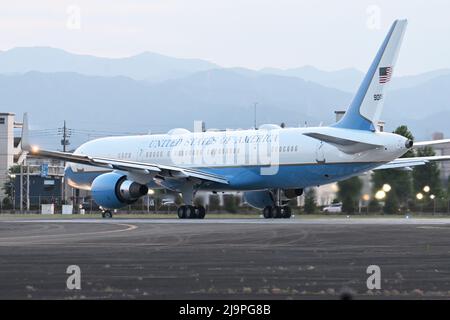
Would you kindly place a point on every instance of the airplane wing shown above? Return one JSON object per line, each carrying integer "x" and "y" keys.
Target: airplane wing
{"x": 417, "y": 161}
{"x": 134, "y": 167}
{"x": 130, "y": 166}
{"x": 411, "y": 162}
{"x": 422, "y": 144}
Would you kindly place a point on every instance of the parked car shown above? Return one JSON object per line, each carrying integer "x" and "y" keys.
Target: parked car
{"x": 333, "y": 208}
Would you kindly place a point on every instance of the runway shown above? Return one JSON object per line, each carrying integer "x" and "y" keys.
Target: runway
{"x": 224, "y": 258}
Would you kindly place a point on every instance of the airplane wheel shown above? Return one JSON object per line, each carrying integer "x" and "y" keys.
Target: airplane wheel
{"x": 181, "y": 212}
{"x": 267, "y": 212}
{"x": 190, "y": 212}
{"x": 107, "y": 214}
{"x": 201, "y": 212}
{"x": 277, "y": 212}
{"x": 287, "y": 212}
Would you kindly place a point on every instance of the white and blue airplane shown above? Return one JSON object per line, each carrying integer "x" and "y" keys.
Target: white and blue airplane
{"x": 269, "y": 164}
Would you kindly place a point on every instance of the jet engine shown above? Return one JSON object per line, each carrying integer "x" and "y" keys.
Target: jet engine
{"x": 259, "y": 199}
{"x": 113, "y": 190}
{"x": 292, "y": 193}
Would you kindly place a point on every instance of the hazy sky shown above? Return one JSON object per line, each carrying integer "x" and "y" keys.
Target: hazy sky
{"x": 328, "y": 34}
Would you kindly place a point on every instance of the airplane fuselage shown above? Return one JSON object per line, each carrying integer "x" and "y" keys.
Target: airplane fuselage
{"x": 249, "y": 159}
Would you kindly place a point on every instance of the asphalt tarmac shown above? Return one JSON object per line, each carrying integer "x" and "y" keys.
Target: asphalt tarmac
{"x": 225, "y": 259}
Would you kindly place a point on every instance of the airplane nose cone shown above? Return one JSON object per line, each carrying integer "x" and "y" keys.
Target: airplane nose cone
{"x": 409, "y": 143}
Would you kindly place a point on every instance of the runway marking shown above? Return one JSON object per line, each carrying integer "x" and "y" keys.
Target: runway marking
{"x": 129, "y": 227}
{"x": 431, "y": 227}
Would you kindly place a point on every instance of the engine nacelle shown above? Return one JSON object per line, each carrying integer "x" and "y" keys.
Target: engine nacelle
{"x": 113, "y": 190}
{"x": 292, "y": 193}
{"x": 259, "y": 199}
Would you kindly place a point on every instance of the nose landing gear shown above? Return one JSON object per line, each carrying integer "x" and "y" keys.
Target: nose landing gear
{"x": 107, "y": 214}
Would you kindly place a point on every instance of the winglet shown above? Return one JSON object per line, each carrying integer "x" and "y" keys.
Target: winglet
{"x": 25, "y": 142}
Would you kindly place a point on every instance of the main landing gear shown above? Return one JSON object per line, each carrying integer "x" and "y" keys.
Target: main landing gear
{"x": 277, "y": 212}
{"x": 191, "y": 212}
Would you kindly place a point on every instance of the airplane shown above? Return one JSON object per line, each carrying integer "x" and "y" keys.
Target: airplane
{"x": 269, "y": 164}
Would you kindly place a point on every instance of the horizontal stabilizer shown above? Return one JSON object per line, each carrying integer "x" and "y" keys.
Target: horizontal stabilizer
{"x": 345, "y": 145}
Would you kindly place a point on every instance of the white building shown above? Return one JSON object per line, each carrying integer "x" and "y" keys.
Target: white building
{"x": 9, "y": 146}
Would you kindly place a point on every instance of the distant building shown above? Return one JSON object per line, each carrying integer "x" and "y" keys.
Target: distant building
{"x": 42, "y": 190}
{"x": 437, "y": 136}
{"x": 9, "y": 146}
{"x": 39, "y": 182}
{"x": 42, "y": 187}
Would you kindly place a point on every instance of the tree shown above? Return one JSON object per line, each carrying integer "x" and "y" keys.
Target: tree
{"x": 391, "y": 204}
{"x": 230, "y": 203}
{"x": 214, "y": 202}
{"x": 6, "y": 203}
{"x": 310, "y": 200}
{"x": 400, "y": 181}
{"x": 448, "y": 187}
{"x": 9, "y": 184}
{"x": 446, "y": 191}
{"x": 157, "y": 197}
{"x": 199, "y": 201}
{"x": 374, "y": 206}
{"x": 349, "y": 193}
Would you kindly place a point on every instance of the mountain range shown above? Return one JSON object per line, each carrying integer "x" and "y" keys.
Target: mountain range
{"x": 148, "y": 66}
{"x": 151, "y": 92}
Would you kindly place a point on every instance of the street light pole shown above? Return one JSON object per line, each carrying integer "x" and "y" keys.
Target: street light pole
{"x": 433, "y": 197}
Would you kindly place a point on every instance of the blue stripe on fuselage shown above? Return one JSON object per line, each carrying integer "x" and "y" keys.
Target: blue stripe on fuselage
{"x": 288, "y": 176}
{"x": 252, "y": 177}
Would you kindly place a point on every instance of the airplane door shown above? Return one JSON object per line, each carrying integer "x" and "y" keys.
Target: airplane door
{"x": 320, "y": 155}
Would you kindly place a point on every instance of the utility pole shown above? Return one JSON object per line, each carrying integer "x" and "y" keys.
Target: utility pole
{"x": 24, "y": 187}
{"x": 66, "y": 133}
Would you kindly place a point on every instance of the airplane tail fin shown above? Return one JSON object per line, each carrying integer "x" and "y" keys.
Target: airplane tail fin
{"x": 365, "y": 109}
{"x": 25, "y": 142}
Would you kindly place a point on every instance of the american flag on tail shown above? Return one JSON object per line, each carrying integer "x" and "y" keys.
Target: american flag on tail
{"x": 385, "y": 74}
